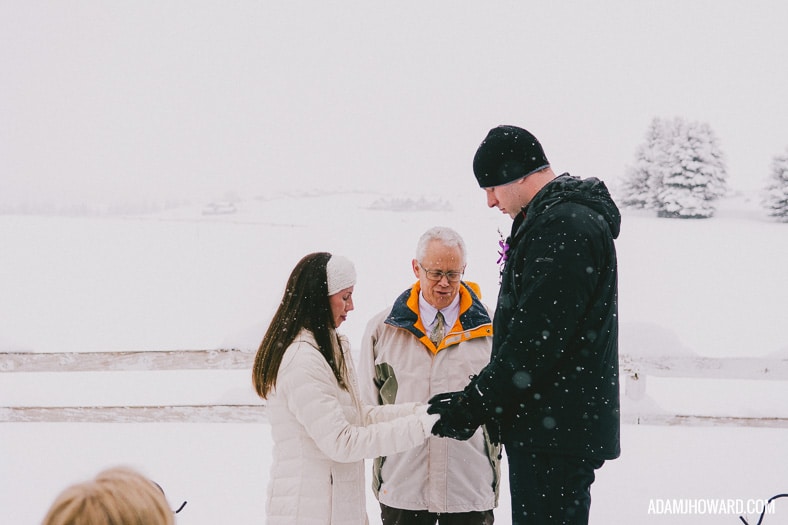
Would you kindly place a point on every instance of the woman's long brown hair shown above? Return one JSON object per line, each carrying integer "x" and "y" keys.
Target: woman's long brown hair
{"x": 304, "y": 305}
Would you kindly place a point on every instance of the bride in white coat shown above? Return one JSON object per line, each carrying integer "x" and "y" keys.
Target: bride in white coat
{"x": 321, "y": 431}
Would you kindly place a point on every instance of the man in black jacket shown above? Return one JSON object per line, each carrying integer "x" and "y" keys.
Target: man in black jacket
{"x": 551, "y": 386}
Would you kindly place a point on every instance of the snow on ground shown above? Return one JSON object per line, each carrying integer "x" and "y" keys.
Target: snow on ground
{"x": 184, "y": 280}
{"x": 222, "y": 469}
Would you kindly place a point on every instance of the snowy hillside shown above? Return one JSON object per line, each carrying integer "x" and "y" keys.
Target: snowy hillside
{"x": 187, "y": 280}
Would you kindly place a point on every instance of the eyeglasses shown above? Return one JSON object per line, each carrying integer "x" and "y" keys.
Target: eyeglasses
{"x": 437, "y": 275}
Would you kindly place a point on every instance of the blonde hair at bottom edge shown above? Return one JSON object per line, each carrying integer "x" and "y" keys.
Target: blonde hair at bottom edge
{"x": 117, "y": 496}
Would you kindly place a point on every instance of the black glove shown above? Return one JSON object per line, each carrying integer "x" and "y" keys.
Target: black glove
{"x": 458, "y": 419}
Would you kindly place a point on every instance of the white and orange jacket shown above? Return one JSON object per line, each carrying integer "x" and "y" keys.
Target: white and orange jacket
{"x": 399, "y": 364}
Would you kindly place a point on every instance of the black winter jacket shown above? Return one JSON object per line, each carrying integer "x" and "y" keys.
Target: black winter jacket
{"x": 552, "y": 381}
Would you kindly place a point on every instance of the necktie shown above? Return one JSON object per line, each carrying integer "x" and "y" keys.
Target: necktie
{"x": 438, "y": 329}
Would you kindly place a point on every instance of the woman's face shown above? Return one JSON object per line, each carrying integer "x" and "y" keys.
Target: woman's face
{"x": 341, "y": 303}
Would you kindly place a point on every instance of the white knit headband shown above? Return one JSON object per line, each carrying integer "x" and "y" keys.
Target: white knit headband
{"x": 340, "y": 274}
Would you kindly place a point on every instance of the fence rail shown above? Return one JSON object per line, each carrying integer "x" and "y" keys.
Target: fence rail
{"x": 135, "y": 414}
{"x": 126, "y": 361}
{"x": 634, "y": 371}
{"x": 223, "y": 359}
{"x": 706, "y": 367}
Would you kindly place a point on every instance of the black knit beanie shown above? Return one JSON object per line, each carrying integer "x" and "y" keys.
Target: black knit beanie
{"x": 507, "y": 154}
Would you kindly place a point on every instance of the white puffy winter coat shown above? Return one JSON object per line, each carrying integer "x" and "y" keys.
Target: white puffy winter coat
{"x": 322, "y": 434}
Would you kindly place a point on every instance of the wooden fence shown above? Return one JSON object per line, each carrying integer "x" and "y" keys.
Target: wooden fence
{"x": 636, "y": 370}
{"x": 634, "y": 373}
{"x": 127, "y": 362}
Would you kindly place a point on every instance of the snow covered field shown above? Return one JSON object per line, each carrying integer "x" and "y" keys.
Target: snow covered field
{"x": 183, "y": 280}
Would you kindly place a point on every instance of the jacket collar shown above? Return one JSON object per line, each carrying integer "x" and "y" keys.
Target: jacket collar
{"x": 306, "y": 336}
{"x": 474, "y": 321}
{"x": 590, "y": 192}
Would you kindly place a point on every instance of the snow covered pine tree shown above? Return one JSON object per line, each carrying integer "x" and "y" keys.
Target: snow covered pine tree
{"x": 697, "y": 174}
{"x": 679, "y": 170}
{"x": 775, "y": 198}
{"x": 651, "y": 163}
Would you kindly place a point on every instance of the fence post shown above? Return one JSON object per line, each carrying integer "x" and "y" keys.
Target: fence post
{"x": 635, "y": 385}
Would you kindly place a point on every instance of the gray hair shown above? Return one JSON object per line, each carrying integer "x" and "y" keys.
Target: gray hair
{"x": 445, "y": 235}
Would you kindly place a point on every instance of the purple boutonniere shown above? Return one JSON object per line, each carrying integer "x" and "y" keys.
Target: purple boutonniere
{"x": 503, "y": 254}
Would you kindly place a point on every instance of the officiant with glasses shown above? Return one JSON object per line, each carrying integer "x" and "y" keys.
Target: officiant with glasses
{"x": 436, "y": 334}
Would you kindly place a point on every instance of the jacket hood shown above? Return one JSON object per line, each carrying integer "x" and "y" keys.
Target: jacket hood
{"x": 590, "y": 192}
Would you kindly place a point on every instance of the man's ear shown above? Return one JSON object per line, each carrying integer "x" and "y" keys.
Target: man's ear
{"x": 415, "y": 265}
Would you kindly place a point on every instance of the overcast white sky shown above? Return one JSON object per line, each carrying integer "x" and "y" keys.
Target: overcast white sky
{"x": 106, "y": 101}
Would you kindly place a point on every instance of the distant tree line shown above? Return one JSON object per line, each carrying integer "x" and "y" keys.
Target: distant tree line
{"x": 680, "y": 172}
{"x": 88, "y": 210}
{"x": 409, "y": 205}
